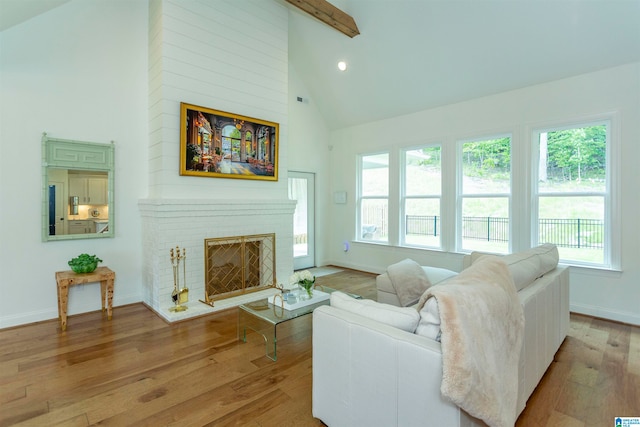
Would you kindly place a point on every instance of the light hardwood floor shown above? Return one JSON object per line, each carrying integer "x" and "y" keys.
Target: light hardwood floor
{"x": 138, "y": 370}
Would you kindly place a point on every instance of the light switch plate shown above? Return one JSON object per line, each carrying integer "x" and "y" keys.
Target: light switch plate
{"x": 340, "y": 197}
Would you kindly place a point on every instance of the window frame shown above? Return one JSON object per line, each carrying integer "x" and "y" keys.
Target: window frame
{"x": 611, "y": 238}
{"x": 460, "y": 195}
{"x": 404, "y": 197}
{"x": 523, "y": 196}
{"x": 361, "y": 197}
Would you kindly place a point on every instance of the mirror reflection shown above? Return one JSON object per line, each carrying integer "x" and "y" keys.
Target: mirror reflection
{"x": 77, "y": 191}
{"x": 78, "y": 202}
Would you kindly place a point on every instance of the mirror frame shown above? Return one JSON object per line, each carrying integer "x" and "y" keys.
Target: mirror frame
{"x": 76, "y": 155}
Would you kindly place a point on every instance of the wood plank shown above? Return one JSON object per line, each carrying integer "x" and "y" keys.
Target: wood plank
{"x": 633, "y": 364}
{"x": 558, "y": 419}
{"x": 329, "y": 14}
{"x": 138, "y": 370}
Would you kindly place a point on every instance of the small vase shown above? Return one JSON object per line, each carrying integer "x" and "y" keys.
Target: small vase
{"x": 305, "y": 291}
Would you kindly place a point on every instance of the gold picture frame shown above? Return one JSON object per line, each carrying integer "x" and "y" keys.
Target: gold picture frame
{"x": 217, "y": 144}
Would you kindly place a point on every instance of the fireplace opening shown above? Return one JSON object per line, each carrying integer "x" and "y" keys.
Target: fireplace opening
{"x": 238, "y": 265}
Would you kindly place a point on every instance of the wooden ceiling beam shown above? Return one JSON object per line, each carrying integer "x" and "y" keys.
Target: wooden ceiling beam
{"x": 329, "y": 14}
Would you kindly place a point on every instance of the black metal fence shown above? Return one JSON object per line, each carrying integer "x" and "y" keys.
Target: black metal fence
{"x": 568, "y": 233}
{"x": 572, "y": 233}
{"x": 423, "y": 225}
{"x": 489, "y": 228}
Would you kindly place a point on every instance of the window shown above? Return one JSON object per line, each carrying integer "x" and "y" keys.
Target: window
{"x": 566, "y": 176}
{"x": 484, "y": 196}
{"x": 374, "y": 198}
{"x": 572, "y": 192}
{"x": 422, "y": 191}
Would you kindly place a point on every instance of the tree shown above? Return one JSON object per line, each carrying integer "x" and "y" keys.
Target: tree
{"x": 488, "y": 157}
{"x": 577, "y": 153}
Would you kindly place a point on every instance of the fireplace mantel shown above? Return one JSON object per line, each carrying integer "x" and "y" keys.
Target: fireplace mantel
{"x": 215, "y": 207}
{"x": 167, "y": 223}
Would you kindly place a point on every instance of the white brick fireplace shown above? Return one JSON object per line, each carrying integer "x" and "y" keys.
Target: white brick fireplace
{"x": 189, "y": 62}
{"x": 167, "y": 223}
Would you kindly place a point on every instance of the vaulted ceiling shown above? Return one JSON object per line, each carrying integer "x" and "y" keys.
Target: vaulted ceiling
{"x": 413, "y": 55}
{"x": 13, "y": 12}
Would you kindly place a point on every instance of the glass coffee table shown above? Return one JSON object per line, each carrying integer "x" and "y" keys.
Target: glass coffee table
{"x": 263, "y": 317}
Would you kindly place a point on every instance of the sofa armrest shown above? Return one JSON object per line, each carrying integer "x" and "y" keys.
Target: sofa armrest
{"x": 386, "y": 291}
{"x": 366, "y": 373}
{"x": 546, "y": 309}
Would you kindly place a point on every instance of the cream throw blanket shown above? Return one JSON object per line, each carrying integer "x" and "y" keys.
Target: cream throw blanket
{"x": 482, "y": 324}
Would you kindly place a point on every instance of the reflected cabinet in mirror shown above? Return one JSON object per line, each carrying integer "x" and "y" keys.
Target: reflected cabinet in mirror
{"x": 77, "y": 191}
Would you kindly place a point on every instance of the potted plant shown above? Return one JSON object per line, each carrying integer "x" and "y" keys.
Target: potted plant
{"x": 84, "y": 263}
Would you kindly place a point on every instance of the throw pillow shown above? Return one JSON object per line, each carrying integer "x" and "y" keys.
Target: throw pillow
{"x": 404, "y": 318}
{"x": 409, "y": 280}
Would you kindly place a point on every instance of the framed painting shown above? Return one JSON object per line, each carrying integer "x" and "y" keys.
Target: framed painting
{"x": 216, "y": 144}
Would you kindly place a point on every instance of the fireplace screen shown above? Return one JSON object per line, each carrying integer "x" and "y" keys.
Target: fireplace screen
{"x": 239, "y": 265}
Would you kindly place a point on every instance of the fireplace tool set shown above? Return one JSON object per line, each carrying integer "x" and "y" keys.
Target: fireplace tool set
{"x": 180, "y": 295}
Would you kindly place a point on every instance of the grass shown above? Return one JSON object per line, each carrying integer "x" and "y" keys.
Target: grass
{"x": 426, "y": 181}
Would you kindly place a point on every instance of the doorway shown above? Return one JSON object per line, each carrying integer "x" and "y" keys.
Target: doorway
{"x": 56, "y": 208}
{"x": 302, "y": 190}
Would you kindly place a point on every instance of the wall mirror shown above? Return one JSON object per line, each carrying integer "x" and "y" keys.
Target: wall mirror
{"x": 77, "y": 190}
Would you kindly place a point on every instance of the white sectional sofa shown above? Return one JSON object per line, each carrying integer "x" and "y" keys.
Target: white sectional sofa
{"x": 369, "y": 373}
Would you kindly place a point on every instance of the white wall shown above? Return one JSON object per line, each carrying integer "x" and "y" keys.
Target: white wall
{"x": 104, "y": 70}
{"x": 309, "y": 152}
{"x": 613, "y": 295}
{"x": 77, "y": 72}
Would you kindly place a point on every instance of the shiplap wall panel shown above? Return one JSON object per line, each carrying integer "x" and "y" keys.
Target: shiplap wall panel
{"x": 226, "y": 55}
{"x": 155, "y": 97}
{"x": 251, "y": 72}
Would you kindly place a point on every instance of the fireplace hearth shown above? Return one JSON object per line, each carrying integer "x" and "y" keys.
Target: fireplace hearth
{"x": 188, "y": 223}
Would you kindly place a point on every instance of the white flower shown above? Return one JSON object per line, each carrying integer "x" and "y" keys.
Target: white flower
{"x": 300, "y": 276}
{"x": 306, "y": 275}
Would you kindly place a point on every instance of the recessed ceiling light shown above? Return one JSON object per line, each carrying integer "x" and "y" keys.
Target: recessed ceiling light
{"x": 342, "y": 65}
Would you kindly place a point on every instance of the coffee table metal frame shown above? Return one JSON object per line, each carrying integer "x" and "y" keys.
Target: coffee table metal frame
{"x": 263, "y": 317}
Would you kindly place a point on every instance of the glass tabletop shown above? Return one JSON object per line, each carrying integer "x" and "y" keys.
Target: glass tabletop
{"x": 263, "y": 317}
{"x": 276, "y": 314}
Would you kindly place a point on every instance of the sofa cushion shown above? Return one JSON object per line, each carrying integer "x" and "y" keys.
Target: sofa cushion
{"x": 527, "y": 266}
{"x": 437, "y": 275}
{"x": 429, "y": 324}
{"x": 405, "y": 318}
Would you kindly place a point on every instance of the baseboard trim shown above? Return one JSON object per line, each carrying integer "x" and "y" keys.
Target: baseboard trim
{"x": 359, "y": 267}
{"x": 607, "y": 314}
{"x": 30, "y": 317}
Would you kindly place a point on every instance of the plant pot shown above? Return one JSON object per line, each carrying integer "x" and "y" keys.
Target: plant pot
{"x": 84, "y": 263}
{"x": 84, "y": 268}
